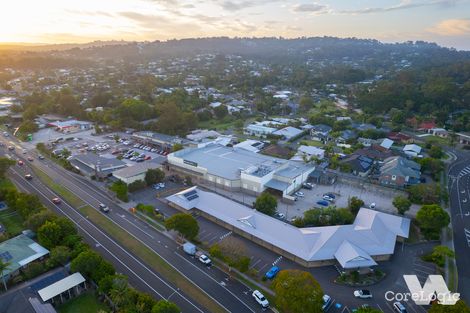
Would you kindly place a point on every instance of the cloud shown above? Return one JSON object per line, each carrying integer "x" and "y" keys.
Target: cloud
{"x": 452, "y": 27}
{"x": 404, "y": 5}
{"x": 230, "y": 5}
{"x": 315, "y": 8}
{"x": 144, "y": 20}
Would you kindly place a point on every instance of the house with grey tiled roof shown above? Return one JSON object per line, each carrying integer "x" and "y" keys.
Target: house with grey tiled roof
{"x": 400, "y": 172}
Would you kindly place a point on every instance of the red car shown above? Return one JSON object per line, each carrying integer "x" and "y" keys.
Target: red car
{"x": 20, "y": 162}
{"x": 56, "y": 201}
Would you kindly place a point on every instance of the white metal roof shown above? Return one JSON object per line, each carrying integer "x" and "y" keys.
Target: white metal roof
{"x": 62, "y": 285}
{"x": 372, "y": 231}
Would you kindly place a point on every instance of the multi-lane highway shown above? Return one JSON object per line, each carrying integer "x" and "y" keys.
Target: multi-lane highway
{"x": 228, "y": 293}
{"x": 459, "y": 194}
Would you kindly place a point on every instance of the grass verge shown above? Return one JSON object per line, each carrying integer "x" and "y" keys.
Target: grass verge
{"x": 150, "y": 258}
{"x": 85, "y": 302}
{"x": 63, "y": 192}
{"x": 453, "y": 277}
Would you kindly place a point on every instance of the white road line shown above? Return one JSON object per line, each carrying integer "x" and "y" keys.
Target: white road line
{"x": 169, "y": 263}
{"x": 212, "y": 278}
{"x": 254, "y": 264}
{"x": 110, "y": 239}
{"x": 124, "y": 217}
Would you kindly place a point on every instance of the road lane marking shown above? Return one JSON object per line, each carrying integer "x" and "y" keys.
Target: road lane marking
{"x": 467, "y": 235}
{"x": 116, "y": 244}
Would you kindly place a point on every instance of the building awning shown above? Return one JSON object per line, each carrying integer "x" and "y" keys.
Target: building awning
{"x": 277, "y": 185}
{"x": 61, "y": 286}
{"x": 351, "y": 256}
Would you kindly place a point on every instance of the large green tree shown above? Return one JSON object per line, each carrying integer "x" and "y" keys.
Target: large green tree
{"x": 297, "y": 292}
{"x": 3, "y": 267}
{"x": 185, "y": 224}
{"x": 431, "y": 219}
{"x": 402, "y": 204}
{"x": 164, "y": 306}
{"x": 153, "y": 176}
{"x": 266, "y": 203}
{"x": 5, "y": 164}
{"x": 355, "y": 204}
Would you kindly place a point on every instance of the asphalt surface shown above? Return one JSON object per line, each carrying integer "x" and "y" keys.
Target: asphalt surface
{"x": 229, "y": 293}
{"x": 459, "y": 195}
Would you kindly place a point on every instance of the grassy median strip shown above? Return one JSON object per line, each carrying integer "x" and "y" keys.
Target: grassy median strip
{"x": 150, "y": 258}
{"x": 63, "y": 192}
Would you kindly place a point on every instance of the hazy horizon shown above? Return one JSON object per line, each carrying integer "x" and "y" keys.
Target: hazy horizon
{"x": 446, "y": 22}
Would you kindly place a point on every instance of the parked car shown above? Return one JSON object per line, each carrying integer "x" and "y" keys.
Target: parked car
{"x": 328, "y": 198}
{"x": 56, "y": 200}
{"x": 399, "y": 307}
{"x": 299, "y": 194}
{"x": 280, "y": 216}
{"x": 363, "y": 294}
{"x": 326, "y": 302}
{"x": 189, "y": 248}
{"x": 272, "y": 272}
{"x": 331, "y": 195}
{"x": 103, "y": 207}
{"x": 308, "y": 186}
{"x": 28, "y": 176}
{"x": 323, "y": 203}
{"x": 204, "y": 259}
{"x": 259, "y": 297}
{"x": 372, "y": 205}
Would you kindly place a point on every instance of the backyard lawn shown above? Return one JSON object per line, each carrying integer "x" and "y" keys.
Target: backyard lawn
{"x": 12, "y": 222}
{"x": 86, "y": 302}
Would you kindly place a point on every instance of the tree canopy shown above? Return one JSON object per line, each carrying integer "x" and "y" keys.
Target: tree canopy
{"x": 431, "y": 219}
{"x": 266, "y": 203}
{"x": 297, "y": 292}
{"x": 185, "y": 224}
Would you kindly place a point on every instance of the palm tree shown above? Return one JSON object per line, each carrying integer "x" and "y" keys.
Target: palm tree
{"x": 119, "y": 294}
{"x": 4, "y": 266}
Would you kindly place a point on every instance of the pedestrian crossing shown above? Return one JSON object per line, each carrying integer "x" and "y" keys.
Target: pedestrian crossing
{"x": 465, "y": 171}
{"x": 467, "y": 235}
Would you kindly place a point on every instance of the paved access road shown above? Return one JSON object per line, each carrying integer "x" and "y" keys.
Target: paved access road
{"x": 230, "y": 294}
{"x": 459, "y": 194}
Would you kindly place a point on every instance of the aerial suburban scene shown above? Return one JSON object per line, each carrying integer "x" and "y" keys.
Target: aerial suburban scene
{"x": 284, "y": 156}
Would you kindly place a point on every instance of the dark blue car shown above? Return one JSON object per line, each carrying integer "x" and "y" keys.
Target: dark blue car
{"x": 323, "y": 203}
{"x": 272, "y": 272}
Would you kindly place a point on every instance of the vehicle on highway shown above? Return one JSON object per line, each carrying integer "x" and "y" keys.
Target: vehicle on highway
{"x": 204, "y": 259}
{"x": 272, "y": 272}
{"x": 259, "y": 297}
{"x": 323, "y": 203}
{"x": 30, "y": 159}
{"x": 25, "y": 151}
{"x": 41, "y": 157}
{"x": 103, "y": 207}
{"x": 56, "y": 200}
{"x": 399, "y": 307}
{"x": 11, "y": 148}
{"x": 28, "y": 176}
{"x": 299, "y": 194}
{"x": 363, "y": 294}
{"x": 20, "y": 163}
{"x": 326, "y": 302}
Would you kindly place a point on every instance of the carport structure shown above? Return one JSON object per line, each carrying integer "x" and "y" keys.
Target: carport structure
{"x": 63, "y": 289}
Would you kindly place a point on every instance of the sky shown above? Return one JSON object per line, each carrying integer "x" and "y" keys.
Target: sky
{"x": 446, "y": 22}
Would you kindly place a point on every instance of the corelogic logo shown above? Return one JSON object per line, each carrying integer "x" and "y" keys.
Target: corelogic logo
{"x": 434, "y": 288}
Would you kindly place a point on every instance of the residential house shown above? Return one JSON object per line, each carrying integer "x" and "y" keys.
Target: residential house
{"x": 308, "y": 153}
{"x": 412, "y": 150}
{"x": 259, "y": 130}
{"x": 400, "y": 172}
{"x": 346, "y": 136}
{"x": 321, "y": 132}
{"x": 387, "y": 143}
{"x": 288, "y": 133}
{"x": 439, "y": 132}
{"x": 375, "y": 152}
{"x": 360, "y": 165}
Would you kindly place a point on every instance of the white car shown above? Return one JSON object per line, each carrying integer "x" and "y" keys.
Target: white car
{"x": 204, "y": 259}
{"x": 328, "y": 198}
{"x": 260, "y": 299}
{"x": 363, "y": 294}
{"x": 299, "y": 194}
{"x": 326, "y": 302}
{"x": 372, "y": 205}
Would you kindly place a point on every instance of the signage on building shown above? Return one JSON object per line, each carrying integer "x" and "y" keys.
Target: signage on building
{"x": 190, "y": 163}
